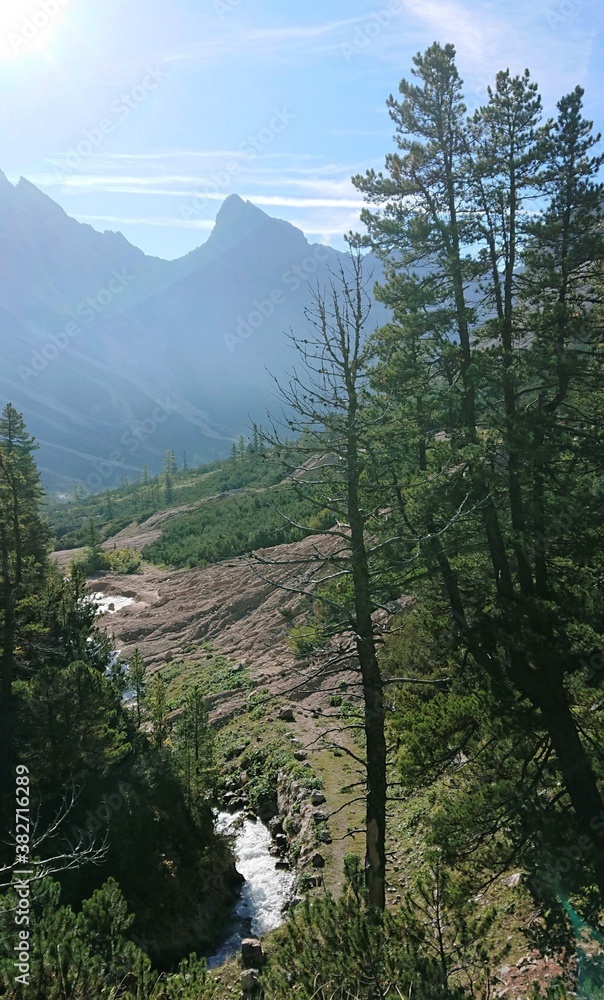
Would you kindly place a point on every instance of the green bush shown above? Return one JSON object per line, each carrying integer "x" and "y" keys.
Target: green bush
{"x": 304, "y": 639}
{"x": 89, "y": 955}
{"x": 342, "y": 950}
{"x": 92, "y": 560}
{"x": 124, "y": 560}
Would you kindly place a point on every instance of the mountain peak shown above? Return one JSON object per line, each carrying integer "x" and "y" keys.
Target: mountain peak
{"x": 7, "y": 193}
{"x": 235, "y": 212}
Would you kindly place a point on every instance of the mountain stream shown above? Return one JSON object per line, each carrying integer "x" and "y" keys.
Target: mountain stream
{"x": 266, "y": 889}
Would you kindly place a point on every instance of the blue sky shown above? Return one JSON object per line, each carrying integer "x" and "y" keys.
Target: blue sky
{"x": 143, "y": 115}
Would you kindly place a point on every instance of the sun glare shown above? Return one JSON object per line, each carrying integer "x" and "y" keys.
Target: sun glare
{"x": 27, "y": 26}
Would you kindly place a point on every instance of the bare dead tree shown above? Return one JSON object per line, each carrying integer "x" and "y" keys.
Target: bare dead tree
{"x": 326, "y": 439}
{"x": 83, "y": 848}
{"x": 323, "y": 409}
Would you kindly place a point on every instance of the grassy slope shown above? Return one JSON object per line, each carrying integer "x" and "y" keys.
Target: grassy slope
{"x": 113, "y": 509}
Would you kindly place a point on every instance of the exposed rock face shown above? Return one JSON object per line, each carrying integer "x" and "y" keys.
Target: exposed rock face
{"x": 299, "y": 819}
{"x": 250, "y": 980}
{"x": 225, "y": 603}
{"x": 252, "y": 952}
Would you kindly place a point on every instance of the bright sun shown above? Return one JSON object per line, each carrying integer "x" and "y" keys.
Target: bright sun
{"x": 28, "y": 25}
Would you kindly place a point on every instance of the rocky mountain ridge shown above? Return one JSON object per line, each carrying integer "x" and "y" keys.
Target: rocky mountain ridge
{"x": 114, "y": 356}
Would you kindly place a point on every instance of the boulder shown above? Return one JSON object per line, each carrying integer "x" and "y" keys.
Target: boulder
{"x": 318, "y": 861}
{"x": 250, "y": 980}
{"x": 252, "y": 952}
{"x": 286, "y": 715}
{"x": 325, "y": 837}
{"x": 317, "y": 798}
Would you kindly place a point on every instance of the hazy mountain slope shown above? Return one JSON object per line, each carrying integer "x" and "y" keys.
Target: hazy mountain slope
{"x": 114, "y": 356}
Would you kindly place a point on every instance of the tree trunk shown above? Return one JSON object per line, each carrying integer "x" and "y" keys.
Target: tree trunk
{"x": 574, "y": 766}
{"x": 8, "y": 647}
{"x": 373, "y": 699}
{"x": 6, "y": 683}
{"x": 375, "y": 859}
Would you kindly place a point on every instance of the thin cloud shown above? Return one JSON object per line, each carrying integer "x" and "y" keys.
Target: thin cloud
{"x": 279, "y": 200}
{"x": 171, "y": 223}
{"x": 273, "y": 201}
{"x": 488, "y": 39}
{"x": 266, "y": 41}
{"x": 207, "y": 154}
{"x": 474, "y": 29}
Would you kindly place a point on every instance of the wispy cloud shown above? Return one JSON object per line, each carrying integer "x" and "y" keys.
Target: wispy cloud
{"x": 265, "y": 41}
{"x": 201, "y": 154}
{"x": 326, "y": 194}
{"x": 473, "y": 27}
{"x": 489, "y": 37}
{"x": 141, "y": 220}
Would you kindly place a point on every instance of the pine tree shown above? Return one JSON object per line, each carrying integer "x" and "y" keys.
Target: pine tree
{"x": 94, "y": 558}
{"x": 137, "y": 670}
{"x": 491, "y": 387}
{"x": 169, "y": 472}
{"x": 157, "y": 707}
{"x": 195, "y": 748}
{"x": 327, "y": 402}
{"x": 24, "y": 537}
{"x": 170, "y": 463}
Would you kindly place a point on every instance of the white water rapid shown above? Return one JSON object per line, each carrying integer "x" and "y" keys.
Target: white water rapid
{"x": 110, "y": 603}
{"x": 266, "y": 889}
